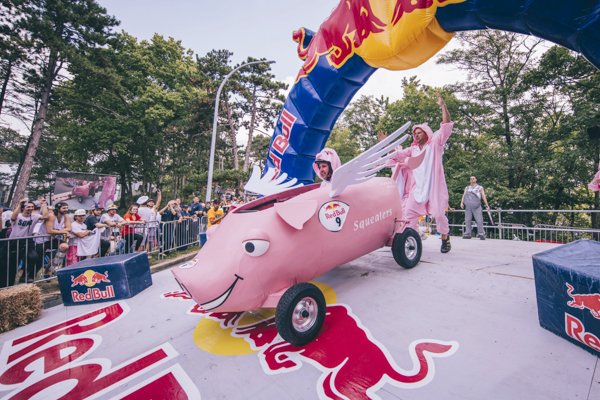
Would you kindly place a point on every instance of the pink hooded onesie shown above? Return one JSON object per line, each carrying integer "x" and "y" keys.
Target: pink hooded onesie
{"x": 425, "y": 190}
{"x": 330, "y": 155}
{"x": 594, "y": 186}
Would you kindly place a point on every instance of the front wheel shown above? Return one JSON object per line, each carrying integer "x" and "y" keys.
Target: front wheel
{"x": 80, "y": 199}
{"x": 407, "y": 248}
{"x": 300, "y": 314}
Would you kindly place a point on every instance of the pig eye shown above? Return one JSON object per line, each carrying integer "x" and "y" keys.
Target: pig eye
{"x": 255, "y": 248}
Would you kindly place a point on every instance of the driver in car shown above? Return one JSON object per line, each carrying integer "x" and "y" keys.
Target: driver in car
{"x": 325, "y": 163}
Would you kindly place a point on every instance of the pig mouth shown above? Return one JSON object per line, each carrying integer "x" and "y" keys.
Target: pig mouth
{"x": 211, "y": 305}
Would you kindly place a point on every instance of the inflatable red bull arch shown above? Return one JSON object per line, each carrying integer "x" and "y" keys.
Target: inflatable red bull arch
{"x": 361, "y": 36}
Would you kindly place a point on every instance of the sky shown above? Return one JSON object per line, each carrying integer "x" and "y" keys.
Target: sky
{"x": 253, "y": 28}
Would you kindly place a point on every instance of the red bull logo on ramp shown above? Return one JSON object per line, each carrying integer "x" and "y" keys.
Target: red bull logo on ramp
{"x": 353, "y": 364}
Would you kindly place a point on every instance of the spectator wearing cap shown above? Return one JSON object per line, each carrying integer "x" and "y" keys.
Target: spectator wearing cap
{"x": 215, "y": 214}
{"x": 92, "y": 221}
{"x": 149, "y": 211}
{"x": 78, "y": 232}
{"x": 52, "y": 236}
{"x": 128, "y": 231}
{"x": 146, "y": 214}
{"x": 21, "y": 247}
{"x": 113, "y": 220}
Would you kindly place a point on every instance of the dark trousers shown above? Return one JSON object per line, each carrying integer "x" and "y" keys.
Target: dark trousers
{"x": 130, "y": 238}
{"x": 41, "y": 249}
{"x": 167, "y": 231}
{"x": 11, "y": 254}
{"x": 104, "y": 246}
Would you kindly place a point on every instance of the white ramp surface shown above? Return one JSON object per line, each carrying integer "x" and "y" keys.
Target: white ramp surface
{"x": 461, "y": 325}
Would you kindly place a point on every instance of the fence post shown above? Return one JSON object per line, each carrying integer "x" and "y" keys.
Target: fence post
{"x": 500, "y": 222}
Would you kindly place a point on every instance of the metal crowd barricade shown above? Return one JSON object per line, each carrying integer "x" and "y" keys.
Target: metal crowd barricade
{"x": 27, "y": 257}
{"x": 531, "y": 225}
{"x": 31, "y": 256}
{"x": 177, "y": 235}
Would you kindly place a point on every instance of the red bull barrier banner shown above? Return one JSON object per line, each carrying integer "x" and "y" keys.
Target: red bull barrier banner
{"x": 361, "y": 36}
{"x": 567, "y": 282}
{"x": 104, "y": 279}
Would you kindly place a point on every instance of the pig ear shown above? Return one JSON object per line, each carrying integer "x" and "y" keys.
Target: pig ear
{"x": 296, "y": 213}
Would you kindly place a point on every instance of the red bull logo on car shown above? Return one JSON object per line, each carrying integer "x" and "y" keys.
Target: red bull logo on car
{"x": 90, "y": 278}
{"x": 353, "y": 364}
{"x": 332, "y": 215}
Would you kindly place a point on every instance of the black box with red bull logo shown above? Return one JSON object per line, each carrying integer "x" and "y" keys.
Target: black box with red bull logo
{"x": 104, "y": 279}
{"x": 567, "y": 283}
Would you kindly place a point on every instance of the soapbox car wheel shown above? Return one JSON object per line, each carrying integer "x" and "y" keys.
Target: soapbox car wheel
{"x": 407, "y": 248}
{"x": 80, "y": 199}
{"x": 300, "y": 314}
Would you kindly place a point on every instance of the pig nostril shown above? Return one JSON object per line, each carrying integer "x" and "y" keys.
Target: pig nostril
{"x": 249, "y": 247}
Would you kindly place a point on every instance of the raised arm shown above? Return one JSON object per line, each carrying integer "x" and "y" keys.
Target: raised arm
{"x": 157, "y": 205}
{"x": 441, "y": 136}
{"x": 445, "y": 114}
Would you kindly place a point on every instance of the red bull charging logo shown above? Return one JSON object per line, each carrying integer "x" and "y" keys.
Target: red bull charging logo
{"x": 353, "y": 364}
{"x": 583, "y": 301}
{"x": 90, "y": 278}
{"x": 379, "y": 32}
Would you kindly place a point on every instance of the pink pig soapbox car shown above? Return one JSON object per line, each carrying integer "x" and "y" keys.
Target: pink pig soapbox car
{"x": 265, "y": 252}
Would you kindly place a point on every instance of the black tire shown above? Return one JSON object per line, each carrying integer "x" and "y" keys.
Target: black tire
{"x": 300, "y": 314}
{"x": 407, "y": 248}
{"x": 80, "y": 199}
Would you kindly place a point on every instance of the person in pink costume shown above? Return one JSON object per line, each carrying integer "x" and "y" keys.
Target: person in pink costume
{"x": 325, "y": 163}
{"x": 108, "y": 192}
{"x": 595, "y": 183}
{"x": 425, "y": 191}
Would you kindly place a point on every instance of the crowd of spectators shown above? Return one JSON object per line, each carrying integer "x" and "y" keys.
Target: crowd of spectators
{"x": 44, "y": 238}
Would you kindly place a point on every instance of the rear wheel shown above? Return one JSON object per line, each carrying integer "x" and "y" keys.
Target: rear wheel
{"x": 407, "y": 248}
{"x": 300, "y": 314}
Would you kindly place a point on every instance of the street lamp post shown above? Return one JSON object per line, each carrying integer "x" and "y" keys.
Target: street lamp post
{"x": 214, "y": 133}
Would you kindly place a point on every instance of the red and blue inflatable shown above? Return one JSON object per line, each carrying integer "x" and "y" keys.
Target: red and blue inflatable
{"x": 361, "y": 36}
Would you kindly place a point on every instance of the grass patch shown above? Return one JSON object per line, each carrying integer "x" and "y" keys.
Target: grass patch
{"x": 47, "y": 287}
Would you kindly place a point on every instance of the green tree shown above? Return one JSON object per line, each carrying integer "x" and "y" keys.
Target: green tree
{"x": 361, "y": 118}
{"x": 131, "y": 117}
{"x": 61, "y": 31}
{"x": 262, "y": 103}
